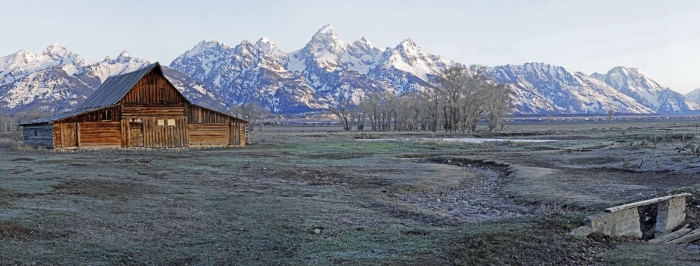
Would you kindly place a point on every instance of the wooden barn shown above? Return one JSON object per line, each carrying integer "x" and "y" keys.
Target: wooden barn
{"x": 140, "y": 109}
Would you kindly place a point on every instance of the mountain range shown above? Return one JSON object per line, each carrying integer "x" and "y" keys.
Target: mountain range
{"x": 324, "y": 71}
{"x": 58, "y": 80}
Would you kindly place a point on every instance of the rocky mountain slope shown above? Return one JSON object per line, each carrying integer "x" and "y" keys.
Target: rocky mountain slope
{"x": 543, "y": 88}
{"x": 327, "y": 69}
{"x": 694, "y": 96}
{"x": 320, "y": 74}
{"x": 58, "y": 80}
{"x": 634, "y": 83}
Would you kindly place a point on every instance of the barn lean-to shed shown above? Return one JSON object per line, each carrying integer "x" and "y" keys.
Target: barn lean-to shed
{"x": 140, "y": 109}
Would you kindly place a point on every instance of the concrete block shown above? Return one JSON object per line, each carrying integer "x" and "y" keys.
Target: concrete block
{"x": 582, "y": 231}
{"x": 670, "y": 214}
{"x": 619, "y": 223}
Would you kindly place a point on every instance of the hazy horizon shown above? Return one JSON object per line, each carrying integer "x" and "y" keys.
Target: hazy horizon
{"x": 659, "y": 38}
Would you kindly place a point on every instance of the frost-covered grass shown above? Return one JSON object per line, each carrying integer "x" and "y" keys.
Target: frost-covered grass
{"x": 371, "y": 202}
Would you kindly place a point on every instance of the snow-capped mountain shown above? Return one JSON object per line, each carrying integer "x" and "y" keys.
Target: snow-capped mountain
{"x": 248, "y": 72}
{"x": 326, "y": 69}
{"x": 694, "y": 96}
{"x": 314, "y": 77}
{"x": 544, "y": 88}
{"x": 634, "y": 83}
{"x": 320, "y": 74}
{"x": 58, "y": 80}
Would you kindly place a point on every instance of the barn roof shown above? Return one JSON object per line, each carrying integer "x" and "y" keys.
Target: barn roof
{"x": 110, "y": 93}
{"x": 115, "y": 87}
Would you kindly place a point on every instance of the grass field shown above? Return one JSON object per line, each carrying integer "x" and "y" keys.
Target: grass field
{"x": 315, "y": 195}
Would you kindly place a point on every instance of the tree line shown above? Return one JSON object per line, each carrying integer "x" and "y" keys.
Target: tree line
{"x": 10, "y": 123}
{"x": 251, "y": 112}
{"x": 455, "y": 101}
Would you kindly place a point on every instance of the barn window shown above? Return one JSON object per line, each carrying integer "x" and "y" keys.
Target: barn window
{"x": 35, "y": 132}
{"x": 106, "y": 115}
{"x": 161, "y": 122}
{"x": 171, "y": 121}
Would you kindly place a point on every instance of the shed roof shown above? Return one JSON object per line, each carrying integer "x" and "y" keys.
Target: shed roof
{"x": 110, "y": 93}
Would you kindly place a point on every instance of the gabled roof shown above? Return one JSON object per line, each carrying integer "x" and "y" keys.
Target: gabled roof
{"x": 115, "y": 88}
{"x": 110, "y": 93}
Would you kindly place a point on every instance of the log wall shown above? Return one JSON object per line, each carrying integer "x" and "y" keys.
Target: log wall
{"x": 99, "y": 135}
{"x": 199, "y": 115}
{"x": 136, "y": 111}
{"x": 204, "y": 135}
{"x": 95, "y": 116}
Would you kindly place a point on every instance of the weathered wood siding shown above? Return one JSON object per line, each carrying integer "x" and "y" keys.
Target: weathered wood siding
{"x": 99, "y": 135}
{"x": 237, "y": 133}
{"x": 38, "y": 136}
{"x": 199, "y": 115}
{"x": 153, "y": 89}
{"x": 243, "y": 136}
{"x": 57, "y": 144}
{"x": 164, "y": 136}
{"x": 203, "y": 135}
{"x": 211, "y": 127}
{"x": 137, "y": 111}
{"x": 94, "y": 116}
{"x": 69, "y": 135}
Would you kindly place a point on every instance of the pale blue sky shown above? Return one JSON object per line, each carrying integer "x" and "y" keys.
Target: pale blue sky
{"x": 662, "y": 38}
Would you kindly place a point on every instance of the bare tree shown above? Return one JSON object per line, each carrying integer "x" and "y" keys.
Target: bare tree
{"x": 451, "y": 85}
{"x": 341, "y": 109}
{"x": 610, "y": 115}
{"x": 433, "y": 97}
{"x": 497, "y": 104}
{"x": 262, "y": 112}
{"x": 375, "y": 108}
{"x": 358, "y": 116}
{"x": 7, "y": 123}
{"x": 475, "y": 95}
{"x": 251, "y": 112}
{"x": 464, "y": 95}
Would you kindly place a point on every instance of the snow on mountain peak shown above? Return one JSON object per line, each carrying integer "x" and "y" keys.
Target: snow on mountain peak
{"x": 326, "y": 30}
{"x": 326, "y": 38}
{"x": 407, "y": 43}
{"x": 124, "y": 54}
{"x": 22, "y": 54}
{"x": 364, "y": 43}
{"x": 55, "y": 50}
{"x": 208, "y": 45}
{"x": 634, "y": 83}
{"x": 694, "y": 96}
{"x": 266, "y": 45}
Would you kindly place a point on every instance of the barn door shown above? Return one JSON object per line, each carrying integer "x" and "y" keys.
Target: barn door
{"x": 136, "y": 133}
{"x": 69, "y": 135}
